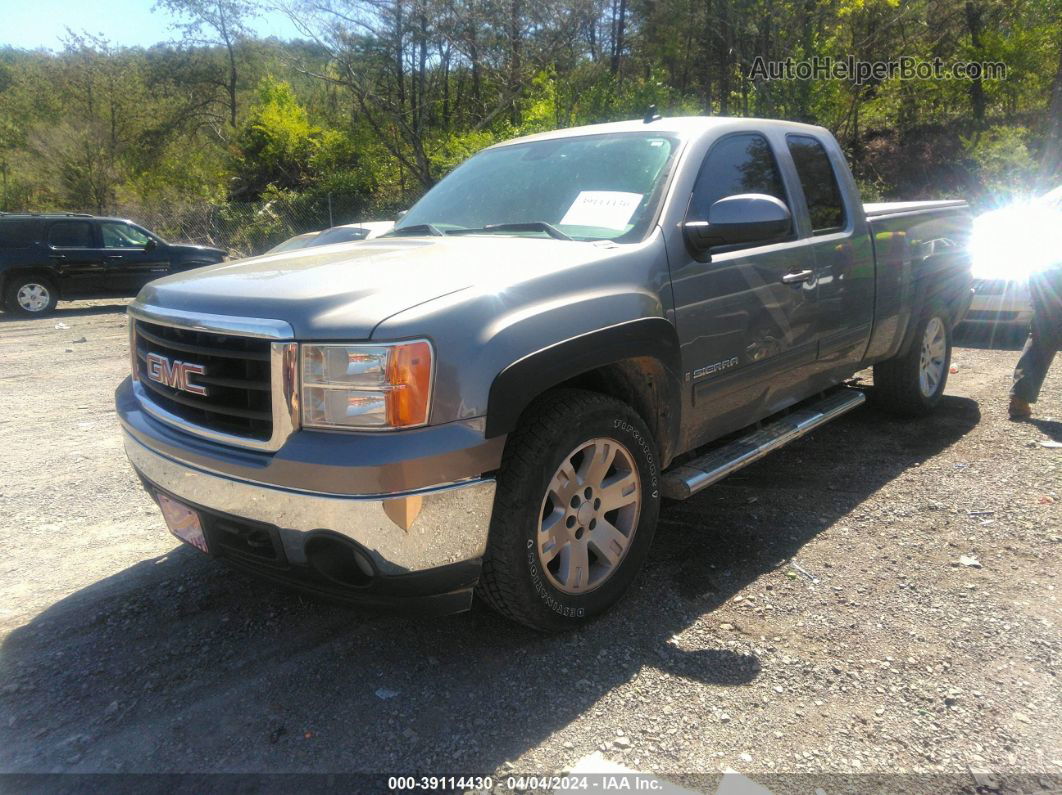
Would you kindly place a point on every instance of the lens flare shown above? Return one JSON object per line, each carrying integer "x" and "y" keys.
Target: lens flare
{"x": 1019, "y": 239}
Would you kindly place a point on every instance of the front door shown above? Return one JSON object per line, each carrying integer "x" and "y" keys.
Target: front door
{"x": 132, "y": 257}
{"x": 78, "y": 259}
{"x": 746, "y": 318}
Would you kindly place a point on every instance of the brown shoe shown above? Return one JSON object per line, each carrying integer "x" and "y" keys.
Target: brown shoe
{"x": 1019, "y": 409}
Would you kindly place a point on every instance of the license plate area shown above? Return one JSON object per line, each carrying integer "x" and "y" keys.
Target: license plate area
{"x": 183, "y": 522}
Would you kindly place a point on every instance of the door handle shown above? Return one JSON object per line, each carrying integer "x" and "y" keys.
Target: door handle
{"x": 57, "y": 256}
{"x": 115, "y": 256}
{"x": 798, "y": 276}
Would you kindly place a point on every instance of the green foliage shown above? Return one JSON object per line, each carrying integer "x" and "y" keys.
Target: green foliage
{"x": 390, "y": 96}
{"x": 456, "y": 147}
{"x": 871, "y": 190}
{"x": 276, "y": 143}
{"x": 1002, "y": 160}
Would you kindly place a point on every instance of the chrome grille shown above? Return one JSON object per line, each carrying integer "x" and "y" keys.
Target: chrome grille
{"x": 237, "y": 378}
{"x": 248, "y": 368}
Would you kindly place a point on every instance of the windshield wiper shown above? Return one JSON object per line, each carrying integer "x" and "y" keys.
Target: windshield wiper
{"x": 526, "y": 226}
{"x": 416, "y": 229}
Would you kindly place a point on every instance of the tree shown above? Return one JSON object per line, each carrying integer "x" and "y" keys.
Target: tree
{"x": 275, "y": 143}
{"x": 83, "y": 163}
{"x": 397, "y": 58}
{"x": 216, "y": 23}
{"x": 384, "y": 97}
{"x": 1051, "y": 155}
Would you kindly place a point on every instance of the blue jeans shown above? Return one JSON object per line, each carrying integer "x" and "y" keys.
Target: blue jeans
{"x": 1036, "y": 358}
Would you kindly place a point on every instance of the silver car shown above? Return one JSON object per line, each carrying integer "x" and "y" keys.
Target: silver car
{"x": 1008, "y": 244}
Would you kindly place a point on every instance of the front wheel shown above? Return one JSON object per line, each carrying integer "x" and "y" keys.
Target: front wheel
{"x": 575, "y": 511}
{"x": 912, "y": 385}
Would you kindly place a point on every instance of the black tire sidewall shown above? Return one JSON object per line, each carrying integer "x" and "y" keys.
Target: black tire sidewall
{"x": 549, "y": 607}
{"x": 14, "y": 284}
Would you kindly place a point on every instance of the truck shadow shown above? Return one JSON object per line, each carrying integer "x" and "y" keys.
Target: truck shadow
{"x": 180, "y": 664}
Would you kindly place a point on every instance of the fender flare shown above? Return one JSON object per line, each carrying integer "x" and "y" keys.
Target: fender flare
{"x": 945, "y": 280}
{"x": 516, "y": 386}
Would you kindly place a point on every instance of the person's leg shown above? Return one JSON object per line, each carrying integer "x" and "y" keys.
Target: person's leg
{"x": 1029, "y": 375}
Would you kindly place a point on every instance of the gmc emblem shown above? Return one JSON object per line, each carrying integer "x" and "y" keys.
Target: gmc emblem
{"x": 176, "y": 375}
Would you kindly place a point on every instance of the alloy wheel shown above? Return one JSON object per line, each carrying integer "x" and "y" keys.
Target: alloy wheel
{"x": 934, "y": 354}
{"x": 33, "y": 297}
{"x": 589, "y": 516}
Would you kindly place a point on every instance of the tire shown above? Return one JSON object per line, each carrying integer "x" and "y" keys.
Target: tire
{"x": 543, "y": 518}
{"x": 911, "y": 385}
{"x": 30, "y": 295}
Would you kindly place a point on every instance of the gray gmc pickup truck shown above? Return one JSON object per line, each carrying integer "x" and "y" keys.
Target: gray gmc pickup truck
{"x": 567, "y": 329}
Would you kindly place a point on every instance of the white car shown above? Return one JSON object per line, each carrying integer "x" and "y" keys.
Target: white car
{"x": 366, "y": 230}
{"x": 345, "y": 233}
{"x": 1008, "y": 245}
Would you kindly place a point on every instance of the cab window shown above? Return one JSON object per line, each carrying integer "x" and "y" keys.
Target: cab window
{"x": 71, "y": 234}
{"x": 737, "y": 164}
{"x": 817, "y": 178}
{"x": 118, "y": 235}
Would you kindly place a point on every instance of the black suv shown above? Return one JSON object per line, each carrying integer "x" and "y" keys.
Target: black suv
{"x": 47, "y": 257}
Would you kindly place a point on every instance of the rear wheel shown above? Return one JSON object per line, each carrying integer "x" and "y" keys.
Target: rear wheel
{"x": 575, "y": 511}
{"x": 30, "y": 295}
{"x": 913, "y": 384}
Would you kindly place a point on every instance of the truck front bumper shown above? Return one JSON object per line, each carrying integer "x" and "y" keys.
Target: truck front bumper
{"x": 411, "y": 544}
{"x": 422, "y": 548}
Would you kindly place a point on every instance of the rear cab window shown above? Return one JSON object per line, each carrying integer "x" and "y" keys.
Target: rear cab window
{"x": 18, "y": 232}
{"x": 819, "y": 182}
{"x": 71, "y": 234}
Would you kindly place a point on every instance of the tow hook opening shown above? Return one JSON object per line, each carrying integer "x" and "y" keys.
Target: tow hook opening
{"x": 339, "y": 560}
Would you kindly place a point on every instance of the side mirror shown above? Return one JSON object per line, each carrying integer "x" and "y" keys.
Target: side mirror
{"x": 744, "y": 218}
{"x": 151, "y": 245}
{"x": 401, "y": 214}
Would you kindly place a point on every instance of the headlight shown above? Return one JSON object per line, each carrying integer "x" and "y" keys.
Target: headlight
{"x": 366, "y": 386}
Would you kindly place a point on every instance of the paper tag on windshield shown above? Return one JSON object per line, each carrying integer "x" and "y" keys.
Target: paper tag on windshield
{"x": 605, "y": 208}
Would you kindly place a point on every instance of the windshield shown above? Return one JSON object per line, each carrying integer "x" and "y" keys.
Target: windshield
{"x": 594, "y": 187}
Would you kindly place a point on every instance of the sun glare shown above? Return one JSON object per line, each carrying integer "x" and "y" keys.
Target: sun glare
{"x": 1019, "y": 239}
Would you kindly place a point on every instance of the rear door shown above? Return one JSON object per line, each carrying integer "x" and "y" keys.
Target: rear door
{"x": 131, "y": 256}
{"x": 72, "y": 247}
{"x": 842, "y": 253}
{"x": 747, "y": 326}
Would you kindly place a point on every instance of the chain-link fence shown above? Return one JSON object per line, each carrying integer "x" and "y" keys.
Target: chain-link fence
{"x": 242, "y": 229}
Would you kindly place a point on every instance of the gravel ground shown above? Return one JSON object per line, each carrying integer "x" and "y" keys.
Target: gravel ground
{"x": 881, "y": 597}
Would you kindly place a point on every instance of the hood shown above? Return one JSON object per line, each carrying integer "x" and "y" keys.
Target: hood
{"x": 194, "y": 248}
{"x": 344, "y": 291}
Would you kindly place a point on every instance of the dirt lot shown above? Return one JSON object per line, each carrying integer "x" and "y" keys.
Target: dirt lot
{"x": 808, "y": 615}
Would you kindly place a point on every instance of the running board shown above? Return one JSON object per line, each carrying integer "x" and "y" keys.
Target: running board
{"x": 687, "y": 479}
